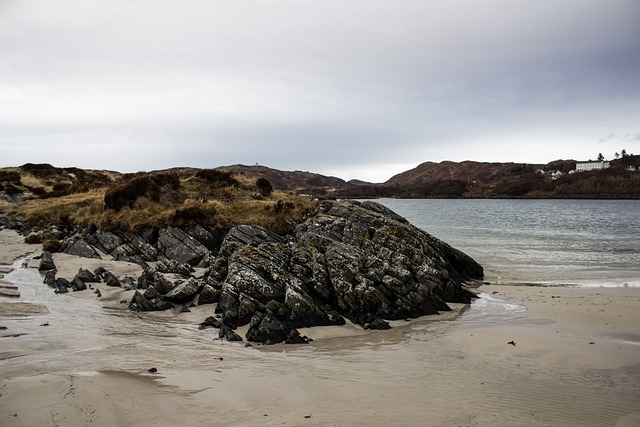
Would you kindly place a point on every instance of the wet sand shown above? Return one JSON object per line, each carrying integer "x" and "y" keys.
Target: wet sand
{"x": 576, "y": 361}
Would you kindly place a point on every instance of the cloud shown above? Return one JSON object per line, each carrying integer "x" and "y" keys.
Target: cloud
{"x": 316, "y": 85}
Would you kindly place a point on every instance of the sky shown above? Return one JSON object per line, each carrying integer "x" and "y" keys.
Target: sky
{"x": 359, "y": 89}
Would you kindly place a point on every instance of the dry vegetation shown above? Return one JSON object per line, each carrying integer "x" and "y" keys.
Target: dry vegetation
{"x": 159, "y": 199}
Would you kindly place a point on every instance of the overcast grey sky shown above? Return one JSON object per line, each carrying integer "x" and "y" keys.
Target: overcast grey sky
{"x": 352, "y": 88}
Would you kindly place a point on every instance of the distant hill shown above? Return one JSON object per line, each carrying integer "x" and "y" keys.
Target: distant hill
{"x": 294, "y": 181}
{"x": 478, "y": 179}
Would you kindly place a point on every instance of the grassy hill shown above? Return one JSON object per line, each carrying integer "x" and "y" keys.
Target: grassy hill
{"x": 43, "y": 195}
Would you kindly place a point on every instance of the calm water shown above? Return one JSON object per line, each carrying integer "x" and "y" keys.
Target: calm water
{"x": 584, "y": 242}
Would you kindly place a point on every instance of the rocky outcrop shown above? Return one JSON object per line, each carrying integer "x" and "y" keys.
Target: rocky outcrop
{"x": 348, "y": 260}
{"x": 178, "y": 250}
{"x": 355, "y": 260}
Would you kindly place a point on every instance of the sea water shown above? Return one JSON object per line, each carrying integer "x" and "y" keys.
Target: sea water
{"x": 555, "y": 242}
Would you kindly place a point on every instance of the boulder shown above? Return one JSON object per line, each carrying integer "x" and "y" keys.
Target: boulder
{"x": 377, "y": 324}
{"x": 77, "y": 284}
{"x": 161, "y": 304}
{"x": 110, "y": 279}
{"x": 173, "y": 266}
{"x": 151, "y": 293}
{"x": 267, "y": 329}
{"x": 128, "y": 283}
{"x": 175, "y": 244}
{"x": 62, "y": 286}
{"x": 209, "y": 295}
{"x": 184, "y": 291}
{"x": 50, "y": 278}
{"x": 99, "y": 272}
{"x": 46, "y": 262}
{"x": 210, "y": 322}
{"x": 209, "y": 238}
{"x": 142, "y": 244}
{"x": 76, "y": 245}
{"x": 86, "y": 276}
{"x": 152, "y": 277}
{"x": 105, "y": 241}
{"x": 140, "y": 303}
{"x": 228, "y": 334}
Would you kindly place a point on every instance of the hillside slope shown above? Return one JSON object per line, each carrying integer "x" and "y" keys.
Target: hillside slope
{"x": 477, "y": 179}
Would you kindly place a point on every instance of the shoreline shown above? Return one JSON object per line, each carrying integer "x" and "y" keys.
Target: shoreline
{"x": 575, "y": 360}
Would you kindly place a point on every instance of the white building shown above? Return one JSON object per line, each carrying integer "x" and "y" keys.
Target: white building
{"x": 591, "y": 166}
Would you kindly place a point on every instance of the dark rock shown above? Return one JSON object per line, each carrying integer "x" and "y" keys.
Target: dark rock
{"x": 50, "y": 278}
{"x": 98, "y": 293}
{"x": 184, "y": 291}
{"x": 377, "y": 324}
{"x": 209, "y": 295}
{"x": 210, "y": 322}
{"x": 228, "y": 334}
{"x": 128, "y": 253}
{"x": 152, "y": 277}
{"x": 142, "y": 244}
{"x": 267, "y": 329}
{"x": 86, "y": 276}
{"x": 161, "y": 304}
{"x": 62, "y": 285}
{"x": 175, "y": 244}
{"x": 151, "y": 293}
{"x": 77, "y": 284}
{"x": 140, "y": 303}
{"x": 11, "y": 223}
{"x": 76, "y": 245}
{"x": 110, "y": 279}
{"x": 185, "y": 309}
{"x": 99, "y": 272}
{"x": 128, "y": 283}
{"x": 209, "y": 238}
{"x": 105, "y": 241}
{"x": 173, "y": 266}
{"x": 293, "y": 337}
{"x": 46, "y": 262}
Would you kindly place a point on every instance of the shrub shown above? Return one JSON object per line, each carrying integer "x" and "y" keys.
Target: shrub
{"x": 33, "y": 238}
{"x": 152, "y": 186}
{"x": 194, "y": 214}
{"x": 42, "y": 169}
{"x": 264, "y": 186}
{"x": 216, "y": 178}
{"x": 52, "y": 245}
{"x": 11, "y": 177}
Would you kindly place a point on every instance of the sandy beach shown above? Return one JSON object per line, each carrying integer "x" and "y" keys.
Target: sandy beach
{"x": 520, "y": 355}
